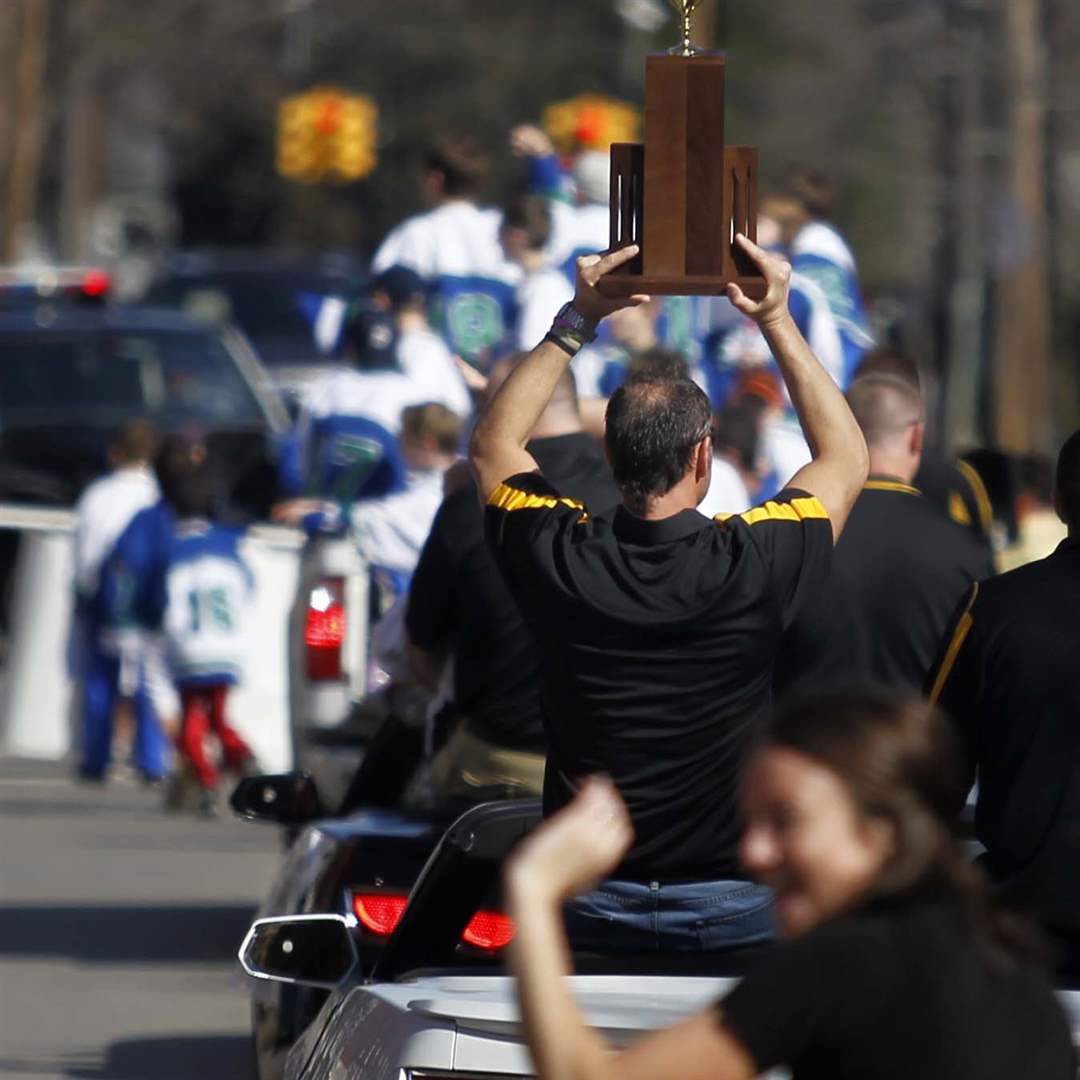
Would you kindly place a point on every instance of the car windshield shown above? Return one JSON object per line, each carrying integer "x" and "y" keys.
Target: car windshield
{"x": 104, "y": 379}
{"x": 287, "y": 317}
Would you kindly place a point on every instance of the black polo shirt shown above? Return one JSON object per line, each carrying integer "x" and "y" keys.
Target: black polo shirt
{"x": 656, "y": 643}
{"x": 459, "y": 601}
{"x": 900, "y": 568}
{"x": 1009, "y": 674}
{"x": 957, "y": 490}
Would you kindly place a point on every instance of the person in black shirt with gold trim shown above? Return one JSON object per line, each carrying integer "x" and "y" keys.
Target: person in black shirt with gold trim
{"x": 1009, "y": 674}
{"x": 655, "y": 626}
{"x": 900, "y": 567}
{"x": 459, "y": 603}
{"x": 894, "y": 963}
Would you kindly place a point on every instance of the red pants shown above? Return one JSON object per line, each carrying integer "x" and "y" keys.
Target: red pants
{"x": 203, "y": 711}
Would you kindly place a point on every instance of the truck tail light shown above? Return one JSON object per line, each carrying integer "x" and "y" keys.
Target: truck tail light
{"x": 324, "y": 629}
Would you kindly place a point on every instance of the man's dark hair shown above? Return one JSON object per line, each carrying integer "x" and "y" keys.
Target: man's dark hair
{"x": 812, "y": 188}
{"x": 531, "y": 214}
{"x": 660, "y": 362}
{"x": 653, "y": 423}
{"x": 184, "y": 476}
{"x": 463, "y": 163}
{"x": 1067, "y": 480}
{"x": 738, "y": 429}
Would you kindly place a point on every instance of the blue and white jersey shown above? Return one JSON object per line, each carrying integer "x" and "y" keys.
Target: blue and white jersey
{"x": 103, "y": 512}
{"x": 207, "y": 618}
{"x": 130, "y": 599}
{"x": 577, "y": 231}
{"x": 744, "y": 347}
{"x": 577, "y": 228}
{"x": 601, "y": 368}
{"x": 540, "y": 296}
{"x": 820, "y": 253}
{"x": 346, "y": 436}
{"x": 473, "y": 286}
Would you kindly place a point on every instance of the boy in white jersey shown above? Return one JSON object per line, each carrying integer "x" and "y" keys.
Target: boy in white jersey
{"x": 454, "y": 247}
{"x": 205, "y": 624}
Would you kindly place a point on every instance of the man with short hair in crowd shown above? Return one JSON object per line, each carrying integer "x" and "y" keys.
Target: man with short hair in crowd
{"x": 900, "y": 567}
{"x": 454, "y": 247}
{"x": 655, "y": 626}
{"x": 459, "y": 604}
{"x": 102, "y": 514}
{"x": 950, "y": 484}
{"x": 1009, "y": 676}
{"x": 346, "y": 442}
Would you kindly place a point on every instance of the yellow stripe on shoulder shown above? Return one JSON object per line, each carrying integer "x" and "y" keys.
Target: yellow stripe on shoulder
{"x": 806, "y": 508}
{"x": 505, "y": 497}
{"x": 963, "y": 628}
{"x": 982, "y": 497}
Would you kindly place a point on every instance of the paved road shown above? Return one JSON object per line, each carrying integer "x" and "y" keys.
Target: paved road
{"x": 118, "y": 931}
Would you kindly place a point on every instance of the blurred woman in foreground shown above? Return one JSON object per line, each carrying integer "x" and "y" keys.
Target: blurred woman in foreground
{"x": 895, "y": 964}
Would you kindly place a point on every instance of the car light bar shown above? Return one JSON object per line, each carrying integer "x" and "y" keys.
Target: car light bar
{"x": 427, "y": 1074}
{"x": 489, "y": 930}
{"x": 380, "y": 913}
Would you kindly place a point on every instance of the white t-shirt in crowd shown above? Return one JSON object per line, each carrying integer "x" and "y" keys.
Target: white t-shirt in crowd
{"x": 428, "y": 373}
{"x": 102, "y": 513}
{"x": 577, "y": 230}
{"x": 457, "y": 239}
{"x": 727, "y": 493}
{"x": 540, "y": 296}
{"x": 429, "y": 365}
{"x": 390, "y": 532}
{"x": 746, "y": 346}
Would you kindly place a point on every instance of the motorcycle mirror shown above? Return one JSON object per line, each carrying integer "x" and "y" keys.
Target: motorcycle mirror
{"x": 304, "y": 950}
{"x": 284, "y": 798}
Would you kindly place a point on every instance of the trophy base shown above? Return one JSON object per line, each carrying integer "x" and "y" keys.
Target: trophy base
{"x": 617, "y": 285}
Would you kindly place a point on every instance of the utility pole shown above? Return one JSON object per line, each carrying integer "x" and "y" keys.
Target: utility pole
{"x": 1024, "y": 358}
{"x": 84, "y": 133}
{"x": 964, "y": 216}
{"x": 21, "y": 195}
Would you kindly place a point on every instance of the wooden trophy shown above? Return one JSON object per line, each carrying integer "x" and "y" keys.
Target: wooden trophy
{"x": 683, "y": 196}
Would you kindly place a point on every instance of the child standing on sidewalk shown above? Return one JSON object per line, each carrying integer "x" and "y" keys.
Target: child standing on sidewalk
{"x": 208, "y": 594}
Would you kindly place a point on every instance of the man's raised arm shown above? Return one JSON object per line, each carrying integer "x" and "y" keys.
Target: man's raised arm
{"x": 840, "y": 460}
{"x": 497, "y": 448}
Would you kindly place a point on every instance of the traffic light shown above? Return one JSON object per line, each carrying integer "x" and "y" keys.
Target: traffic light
{"x": 591, "y": 122}
{"x": 356, "y": 156}
{"x": 326, "y": 134}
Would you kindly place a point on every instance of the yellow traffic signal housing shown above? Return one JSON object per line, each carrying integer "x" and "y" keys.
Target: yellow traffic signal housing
{"x": 591, "y": 122}
{"x": 356, "y": 156}
{"x": 326, "y": 134}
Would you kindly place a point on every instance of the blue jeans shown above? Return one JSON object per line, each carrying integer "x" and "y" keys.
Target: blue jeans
{"x": 637, "y": 916}
{"x": 101, "y": 688}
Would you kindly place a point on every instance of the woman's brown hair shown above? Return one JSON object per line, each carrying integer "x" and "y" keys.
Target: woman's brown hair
{"x": 901, "y": 762}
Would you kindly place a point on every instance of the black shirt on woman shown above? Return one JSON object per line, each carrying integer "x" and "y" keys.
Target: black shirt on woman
{"x": 899, "y": 992}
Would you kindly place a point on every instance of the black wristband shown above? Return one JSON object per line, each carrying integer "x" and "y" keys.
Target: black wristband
{"x": 568, "y": 345}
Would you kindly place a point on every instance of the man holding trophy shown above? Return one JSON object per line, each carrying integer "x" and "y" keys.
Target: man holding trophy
{"x": 656, "y": 626}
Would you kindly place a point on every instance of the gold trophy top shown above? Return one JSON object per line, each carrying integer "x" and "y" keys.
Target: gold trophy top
{"x": 685, "y": 10}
